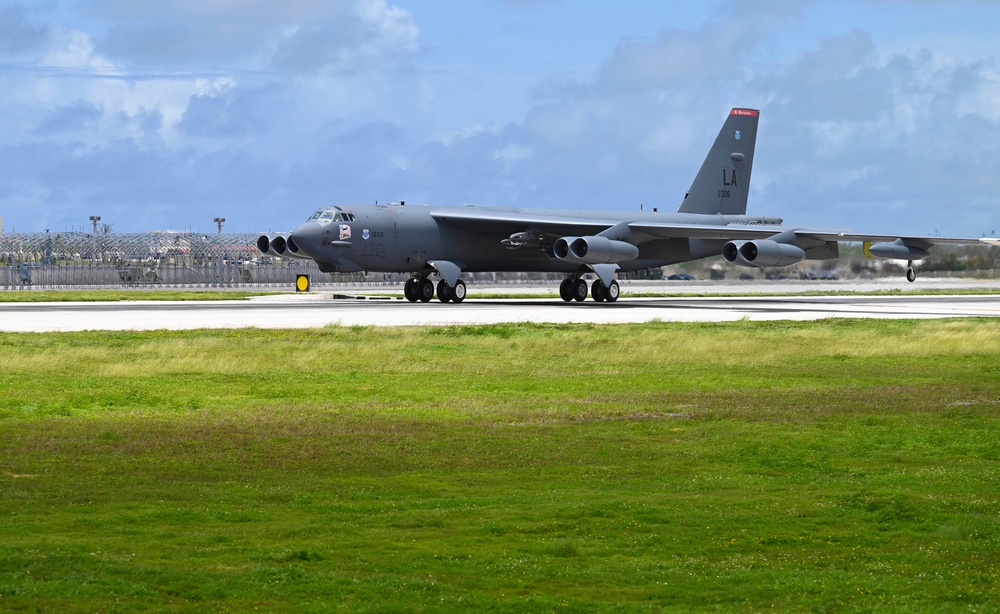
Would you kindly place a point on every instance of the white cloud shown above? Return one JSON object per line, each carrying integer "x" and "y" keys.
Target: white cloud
{"x": 156, "y": 112}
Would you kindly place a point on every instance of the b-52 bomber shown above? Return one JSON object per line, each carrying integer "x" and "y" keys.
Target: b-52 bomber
{"x": 440, "y": 243}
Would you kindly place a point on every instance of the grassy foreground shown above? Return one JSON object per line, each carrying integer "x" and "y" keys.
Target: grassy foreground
{"x": 842, "y": 464}
{"x": 95, "y": 296}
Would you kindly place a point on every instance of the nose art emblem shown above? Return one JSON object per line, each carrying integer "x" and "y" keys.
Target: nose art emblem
{"x": 364, "y": 234}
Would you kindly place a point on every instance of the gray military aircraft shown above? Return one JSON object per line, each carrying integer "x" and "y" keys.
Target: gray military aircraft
{"x": 442, "y": 242}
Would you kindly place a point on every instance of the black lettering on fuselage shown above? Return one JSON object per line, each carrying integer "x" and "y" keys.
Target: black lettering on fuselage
{"x": 731, "y": 181}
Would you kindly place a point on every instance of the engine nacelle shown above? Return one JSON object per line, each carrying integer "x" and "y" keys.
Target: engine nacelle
{"x": 279, "y": 245}
{"x": 594, "y": 250}
{"x": 272, "y": 245}
{"x": 762, "y": 253}
{"x": 264, "y": 245}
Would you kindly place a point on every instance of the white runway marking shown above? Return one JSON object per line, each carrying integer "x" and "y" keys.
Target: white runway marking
{"x": 316, "y": 310}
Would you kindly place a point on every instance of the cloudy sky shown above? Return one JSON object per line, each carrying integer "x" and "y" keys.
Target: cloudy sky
{"x": 877, "y": 115}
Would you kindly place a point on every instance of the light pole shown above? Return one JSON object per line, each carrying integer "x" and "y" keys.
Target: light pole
{"x": 93, "y": 255}
{"x": 219, "y": 221}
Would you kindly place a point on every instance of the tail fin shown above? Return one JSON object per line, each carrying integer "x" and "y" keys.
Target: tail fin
{"x": 723, "y": 182}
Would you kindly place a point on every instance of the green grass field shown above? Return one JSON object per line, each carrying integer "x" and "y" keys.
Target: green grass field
{"x": 92, "y": 296}
{"x": 820, "y": 466}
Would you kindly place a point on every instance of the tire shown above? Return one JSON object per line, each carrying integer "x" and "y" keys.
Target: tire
{"x": 566, "y": 290}
{"x": 444, "y": 291}
{"x": 580, "y": 290}
{"x": 458, "y": 292}
{"x": 425, "y": 290}
{"x": 911, "y": 275}
{"x": 410, "y": 290}
{"x": 612, "y": 293}
{"x": 597, "y": 291}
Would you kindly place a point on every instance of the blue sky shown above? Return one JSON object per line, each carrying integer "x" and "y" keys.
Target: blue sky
{"x": 876, "y": 115}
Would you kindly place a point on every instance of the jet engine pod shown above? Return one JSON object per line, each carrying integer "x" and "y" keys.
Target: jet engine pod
{"x": 731, "y": 252}
{"x": 561, "y": 247}
{"x": 594, "y": 250}
{"x": 762, "y": 253}
{"x": 273, "y": 245}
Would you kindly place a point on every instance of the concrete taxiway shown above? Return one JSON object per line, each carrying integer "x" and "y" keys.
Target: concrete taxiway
{"x": 324, "y": 309}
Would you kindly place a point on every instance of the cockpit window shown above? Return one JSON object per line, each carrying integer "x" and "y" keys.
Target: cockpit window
{"x": 327, "y": 215}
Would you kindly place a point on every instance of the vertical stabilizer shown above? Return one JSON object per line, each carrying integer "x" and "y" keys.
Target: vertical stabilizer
{"x": 723, "y": 181}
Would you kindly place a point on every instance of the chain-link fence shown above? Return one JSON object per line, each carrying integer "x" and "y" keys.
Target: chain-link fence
{"x": 154, "y": 259}
{"x": 174, "y": 259}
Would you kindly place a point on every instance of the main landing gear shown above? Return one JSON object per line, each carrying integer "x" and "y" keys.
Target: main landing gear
{"x": 575, "y": 289}
{"x": 911, "y": 275}
{"x": 422, "y": 289}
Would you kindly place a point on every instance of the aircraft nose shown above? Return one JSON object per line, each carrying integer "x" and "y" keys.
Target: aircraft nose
{"x": 308, "y": 239}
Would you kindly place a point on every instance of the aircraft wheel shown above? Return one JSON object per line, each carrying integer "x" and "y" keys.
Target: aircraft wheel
{"x": 444, "y": 291}
{"x": 911, "y": 275}
{"x": 597, "y": 291}
{"x": 580, "y": 290}
{"x": 566, "y": 290}
{"x": 410, "y": 290}
{"x": 425, "y": 290}
{"x": 458, "y": 292}
{"x": 611, "y": 294}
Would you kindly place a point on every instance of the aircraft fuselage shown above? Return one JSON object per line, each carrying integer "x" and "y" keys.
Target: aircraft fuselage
{"x": 400, "y": 238}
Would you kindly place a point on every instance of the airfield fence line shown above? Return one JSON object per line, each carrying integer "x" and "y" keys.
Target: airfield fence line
{"x": 76, "y": 260}
{"x": 172, "y": 259}
{"x": 178, "y": 259}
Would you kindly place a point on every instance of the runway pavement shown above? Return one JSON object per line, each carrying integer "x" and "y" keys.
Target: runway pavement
{"x": 322, "y": 309}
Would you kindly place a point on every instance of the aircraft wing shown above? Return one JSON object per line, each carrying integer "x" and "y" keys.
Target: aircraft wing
{"x": 927, "y": 241}
{"x": 737, "y": 232}
{"x": 507, "y": 221}
{"x": 489, "y": 221}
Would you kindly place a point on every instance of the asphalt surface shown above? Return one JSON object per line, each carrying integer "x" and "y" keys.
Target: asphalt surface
{"x": 327, "y": 308}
